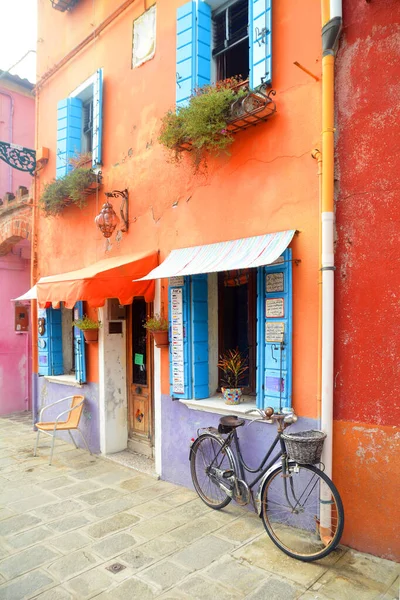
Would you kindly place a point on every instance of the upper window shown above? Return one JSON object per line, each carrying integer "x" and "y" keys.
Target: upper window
{"x": 231, "y": 40}
{"x": 144, "y": 37}
{"x": 80, "y": 123}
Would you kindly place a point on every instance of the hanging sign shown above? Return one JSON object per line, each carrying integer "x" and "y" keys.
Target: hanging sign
{"x": 274, "y": 283}
{"x": 178, "y": 376}
{"x": 274, "y": 307}
{"x": 274, "y": 331}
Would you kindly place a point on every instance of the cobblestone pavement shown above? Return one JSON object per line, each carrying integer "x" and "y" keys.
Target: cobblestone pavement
{"x": 63, "y": 527}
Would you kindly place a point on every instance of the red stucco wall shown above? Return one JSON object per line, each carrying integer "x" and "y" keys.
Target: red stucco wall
{"x": 367, "y": 383}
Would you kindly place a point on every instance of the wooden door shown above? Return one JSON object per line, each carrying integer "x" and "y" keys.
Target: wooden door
{"x": 140, "y": 371}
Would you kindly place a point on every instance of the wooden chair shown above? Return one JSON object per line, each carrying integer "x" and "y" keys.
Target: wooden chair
{"x": 74, "y": 413}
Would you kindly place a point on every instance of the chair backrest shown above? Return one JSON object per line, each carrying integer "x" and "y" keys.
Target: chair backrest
{"x": 75, "y": 415}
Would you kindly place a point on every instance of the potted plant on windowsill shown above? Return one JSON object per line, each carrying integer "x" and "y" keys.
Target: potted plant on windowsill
{"x": 89, "y": 327}
{"x": 233, "y": 366}
{"x": 158, "y": 327}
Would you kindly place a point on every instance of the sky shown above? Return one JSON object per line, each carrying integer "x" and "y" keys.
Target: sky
{"x": 18, "y": 35}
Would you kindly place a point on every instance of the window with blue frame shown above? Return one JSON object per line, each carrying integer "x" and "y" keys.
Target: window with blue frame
{"x": 222, "y": 39}
{"x": 80, "y": 124}
{"x": 250, "y": 310}
{"x": 61, "y": 346}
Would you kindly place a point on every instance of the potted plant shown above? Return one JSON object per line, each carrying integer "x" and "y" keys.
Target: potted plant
{"x": 70, "y": 189}
{"x": 89, "y": 327}
{"x": 202, "y": 125}
{"x": 233, "y": 366}
{"x": 158, "y": 327}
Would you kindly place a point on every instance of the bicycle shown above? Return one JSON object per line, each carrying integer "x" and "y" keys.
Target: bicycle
{"x": 300, "y": 506}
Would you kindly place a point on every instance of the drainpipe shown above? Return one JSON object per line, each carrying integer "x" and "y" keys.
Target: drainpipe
{"x": 330, "y": 36}
{"x": 10, "y": 135}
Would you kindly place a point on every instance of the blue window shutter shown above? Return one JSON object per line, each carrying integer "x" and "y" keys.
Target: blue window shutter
{"x": 203, "y": 48}
{"x": 185, "y": 52}
{"x": 199, "y": 318}
{"x": 260, "y": 39}
{"x": 69, "y": 133}
{"x": 79, "y": 346}
{"x": 97, "y": 119}
{"x": 175, "y": 354}
{"x": 50, "y": 343}
{"x": 269, "y": 379}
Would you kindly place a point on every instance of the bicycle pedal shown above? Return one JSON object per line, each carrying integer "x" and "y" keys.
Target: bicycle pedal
{"x": 228, "y": 473}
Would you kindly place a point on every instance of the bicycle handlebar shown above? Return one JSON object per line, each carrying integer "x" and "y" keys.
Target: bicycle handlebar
{"x": 269, "y": 416}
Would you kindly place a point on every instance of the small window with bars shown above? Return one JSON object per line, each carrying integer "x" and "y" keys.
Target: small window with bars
{"x": 231, "y": 40}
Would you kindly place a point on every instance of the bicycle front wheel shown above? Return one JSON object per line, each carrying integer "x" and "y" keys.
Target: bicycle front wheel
{"x": 302, "y": 512}
{"x": 207, "y": 460}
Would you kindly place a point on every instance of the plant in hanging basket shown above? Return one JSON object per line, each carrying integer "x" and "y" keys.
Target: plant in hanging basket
{"x": 233, "y": 366}
{"x": 90, "y": 328}
{"x": 158, "y": 327}
{"x": 202, "y": 125}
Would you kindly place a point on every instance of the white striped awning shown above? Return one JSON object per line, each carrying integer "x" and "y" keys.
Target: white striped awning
{"x": 224, "y": 256}
{"x": 29, "y": 295}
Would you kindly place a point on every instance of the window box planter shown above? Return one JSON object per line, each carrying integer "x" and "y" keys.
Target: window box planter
{"x": 247, "y": 108}
{"x": 73, "y": 188}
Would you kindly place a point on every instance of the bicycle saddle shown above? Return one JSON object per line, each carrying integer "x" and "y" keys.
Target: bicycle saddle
{"x": 226, "y": 424}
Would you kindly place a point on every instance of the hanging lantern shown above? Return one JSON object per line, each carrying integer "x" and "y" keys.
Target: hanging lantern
{"x": 107, "y": 220}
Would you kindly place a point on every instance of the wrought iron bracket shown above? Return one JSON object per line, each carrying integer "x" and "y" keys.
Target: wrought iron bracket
{"x": 18, "y": 157}
{"x": 124, "y": 208}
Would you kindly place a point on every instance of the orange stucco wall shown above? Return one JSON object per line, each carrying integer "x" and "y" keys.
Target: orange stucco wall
{"x": 268, "y": 183}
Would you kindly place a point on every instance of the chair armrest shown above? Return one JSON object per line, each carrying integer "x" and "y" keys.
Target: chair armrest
{"x": 52, "y": 404}
{"x": 69, "y": 410}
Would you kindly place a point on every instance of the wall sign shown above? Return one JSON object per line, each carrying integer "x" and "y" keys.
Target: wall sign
{"x": 178, "y": 377}
{"x": 177, "y": 280}
{"x": 274, "y": 384}
{"x": 275, "y": 283}
{"x": 274, "y": 307}
{"x": 274, "y": 331}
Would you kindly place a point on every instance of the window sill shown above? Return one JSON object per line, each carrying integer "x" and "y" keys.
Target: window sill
{"x": 216, "y": 404}
{"x": 63, "y": 380}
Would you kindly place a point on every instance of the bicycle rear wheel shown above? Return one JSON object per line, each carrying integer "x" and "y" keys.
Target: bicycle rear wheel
{"x": 206, "y": 457}
{"x": 302, "y": 512}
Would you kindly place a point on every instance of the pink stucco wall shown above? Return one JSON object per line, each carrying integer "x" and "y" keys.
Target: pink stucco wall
{"x": 15, "y": 349}
{"x": 17, "y": 125}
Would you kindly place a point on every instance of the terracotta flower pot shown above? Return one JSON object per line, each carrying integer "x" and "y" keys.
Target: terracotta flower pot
{"x": 90, "y": 335}
{"x": 160, "y": 338}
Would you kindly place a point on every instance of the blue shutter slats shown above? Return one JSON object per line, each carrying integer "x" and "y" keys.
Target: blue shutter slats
{"x": 274, "y": 368}
{"x": 203, "y": 50}
{"x": 260, "y": 39}
{"x": 79, "y": 346}
{"x": 69, "y": 133}
{"x": 97, "y": 119}
{"x": 199, "y": 318}
{"x": 50, "y": 356}
{"x": 185, "y": 52}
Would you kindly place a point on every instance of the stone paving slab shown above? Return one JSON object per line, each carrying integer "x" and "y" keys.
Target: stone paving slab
{"x": 61, "y": 526}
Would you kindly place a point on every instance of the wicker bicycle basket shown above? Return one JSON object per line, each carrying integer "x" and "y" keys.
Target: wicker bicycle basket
{"x": 305, "y": 446}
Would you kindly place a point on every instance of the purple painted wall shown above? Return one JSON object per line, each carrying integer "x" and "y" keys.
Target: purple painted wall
{"x": 50, "y": 392}
{"x": 180, "y": 424}
{"x": 15, "y": 348}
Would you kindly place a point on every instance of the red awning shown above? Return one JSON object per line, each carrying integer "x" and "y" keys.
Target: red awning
{"x": 108, "y": 278}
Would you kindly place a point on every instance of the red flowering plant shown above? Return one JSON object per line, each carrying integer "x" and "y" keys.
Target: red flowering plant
{"x": 203, "y": 124}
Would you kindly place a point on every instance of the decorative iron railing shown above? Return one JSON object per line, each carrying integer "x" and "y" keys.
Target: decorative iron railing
{"x": 18, "y": 157}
